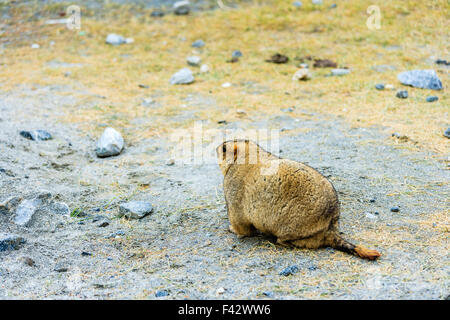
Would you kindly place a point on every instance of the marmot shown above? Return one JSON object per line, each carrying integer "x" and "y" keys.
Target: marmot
{"x": 294, "y": 202}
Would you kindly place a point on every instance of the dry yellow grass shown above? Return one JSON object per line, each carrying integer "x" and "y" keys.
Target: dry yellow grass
{"x": 258, "y": 30}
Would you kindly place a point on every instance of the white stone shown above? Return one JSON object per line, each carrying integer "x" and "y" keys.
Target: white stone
{"x": 110, "y": 143}
{"x": 204, "y": 68}
{"x": 194, "y": 61}
{"x": 183, "y": 76}
{"x": 301, "y": 74}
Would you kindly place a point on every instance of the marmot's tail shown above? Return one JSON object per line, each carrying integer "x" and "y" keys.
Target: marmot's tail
{"x": 337, "y": 242}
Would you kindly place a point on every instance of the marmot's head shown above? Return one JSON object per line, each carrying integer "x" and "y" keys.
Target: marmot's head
{"x": 241, "y": 152}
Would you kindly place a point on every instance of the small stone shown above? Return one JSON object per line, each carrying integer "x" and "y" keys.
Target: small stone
{"x": 372, "y": 200}
{"x": 116, "y": 234}
{"x": 36, "y": 135}
{"x": 236, "y": 54}
{"x": 395, "y": 209}
{"x": 146, "y": 102}
{"x": 402, "y": 94}
{"x": 297, "y": 4}
{"x": 241, "y": 112}
{"x": 301, "y": 74}
{"x": 303, "y": 65}
{"x": 103, "y": 224}
{"x": 194, "y": 61}
{"x": 220, "y": 290}
{"x": 424, "y": 79}
{"x": 35, "y": 46}
{"x": 204, "y": 68}
{"x": 289, "y": 271}
{"x": 340, "y": 72}
{"x": 432, "y": 98}
{"x": 370, "y": 216}
{"x": 60, "y": 267}
{"x": 115, "y": 39}
{"x": 383, "y": 68}
{"x": 324, "y": 63}
{"x": 268, "y": 294}
{"x": 60, "y": 208}
{"x": 389, "y": 87}
{"x": 135, "y": 209}
{"x": 157, "y": 13}
{"x": 110, "y": 143}
{"x": 161, "y": 293}
{"x": 10, "y": 204}
{"x": 29, "y": 262}
{"x": 312, "y": 268}
{"x": 25, "y": 212}
{"x": 170, "y": 162}
{"x": 290, "y": 109}
{"x": 447, "y": 133}
{"x": 86, "y": 254}
{"x": 143, "y": 86}
{"x": 333, "y": 6}
{"x": 10, "y": 242}
{"x": 183, "y": 76}
{"x": 226, "y": 85}
{"x": 317, "y": 2}
{"x": 443, "y": 62}
{"x": 379, "y": 86}
{"x": 198, "y": 44}
{"x": 181, "y": 7}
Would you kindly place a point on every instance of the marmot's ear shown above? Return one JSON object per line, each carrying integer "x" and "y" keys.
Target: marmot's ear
{"x": 235, "y": 152}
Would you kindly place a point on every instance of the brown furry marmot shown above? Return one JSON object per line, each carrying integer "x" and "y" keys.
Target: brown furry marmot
{"x": 281, "y": 197}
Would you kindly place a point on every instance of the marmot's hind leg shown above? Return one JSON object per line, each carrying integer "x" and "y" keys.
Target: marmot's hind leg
{"x": 242, "y": 230}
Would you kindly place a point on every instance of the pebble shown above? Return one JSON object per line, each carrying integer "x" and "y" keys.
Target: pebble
{"x": 25, "y": 211}
{"x": 379, "y": 86}
{"x": 424, "y": 79}
{"x": 289, "y": 271}
{"x": 290, "y": 109}
{"x": 36, "y": 135}
{"x": 301, "y": 74}
{"x": 35, "y": 46}
{"x": 236, "y": 54}
{"x": 204, "y": 68}
{"x": 60, "y": 267}
{"x": 221, "y": 290}
{"x": 29, "y": 262}
{"x": 395, "y": 209}
{"x": 339, "y": 72}
{"x": 170, "y": 162}
{"x": 110, "y": 143}
{"x": 161, "y": 293}
{"x": 317, "y": 2}
{"x": 86, "y": 254}
{"x": 198, "y": 44}
{"x": 383, "y": 68}
{"x": 442, "y": 61}
{"x": 135, "y": 209}
{"x": 447, "y": 133}
{"x": 183, "y": 76}
{"x": 334, "y": 5}
{"x": 194, "y": 61}
{"x": 226, "y": 85}
{"x": 370, "y": 216}
{"x": 10, "y": 242}
{"x": 181, "y": 7}
{"x": 402, "y": 94}
{"x": 115, "y": 39}
{"x": 432, "y": 98}
{"x": 372, "y": 200}
{"x": 157, "y": 13}
{"x": 60, "y": 208}
{"x": 389, "y": 87}
{"x": 312, "y": 268}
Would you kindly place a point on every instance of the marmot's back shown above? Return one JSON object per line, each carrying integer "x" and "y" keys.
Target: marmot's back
{"x": 295, "y": 200}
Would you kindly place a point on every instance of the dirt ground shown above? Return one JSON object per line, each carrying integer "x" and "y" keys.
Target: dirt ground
{"x": 183, "y": 247}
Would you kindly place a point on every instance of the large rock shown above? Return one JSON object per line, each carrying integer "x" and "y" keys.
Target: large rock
{"x": 135, "y": 209}
{"x": 10, "y": 242}
{"x": 110, "y": 143}
{"x": 424, "y": 79}
{"x": 184, "y": 76}
{"x": 25, "y": 211}
{"x": 181, "y": 7}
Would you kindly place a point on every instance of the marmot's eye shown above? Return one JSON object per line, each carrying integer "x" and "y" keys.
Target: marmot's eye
{"x": 224, "y": 148}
